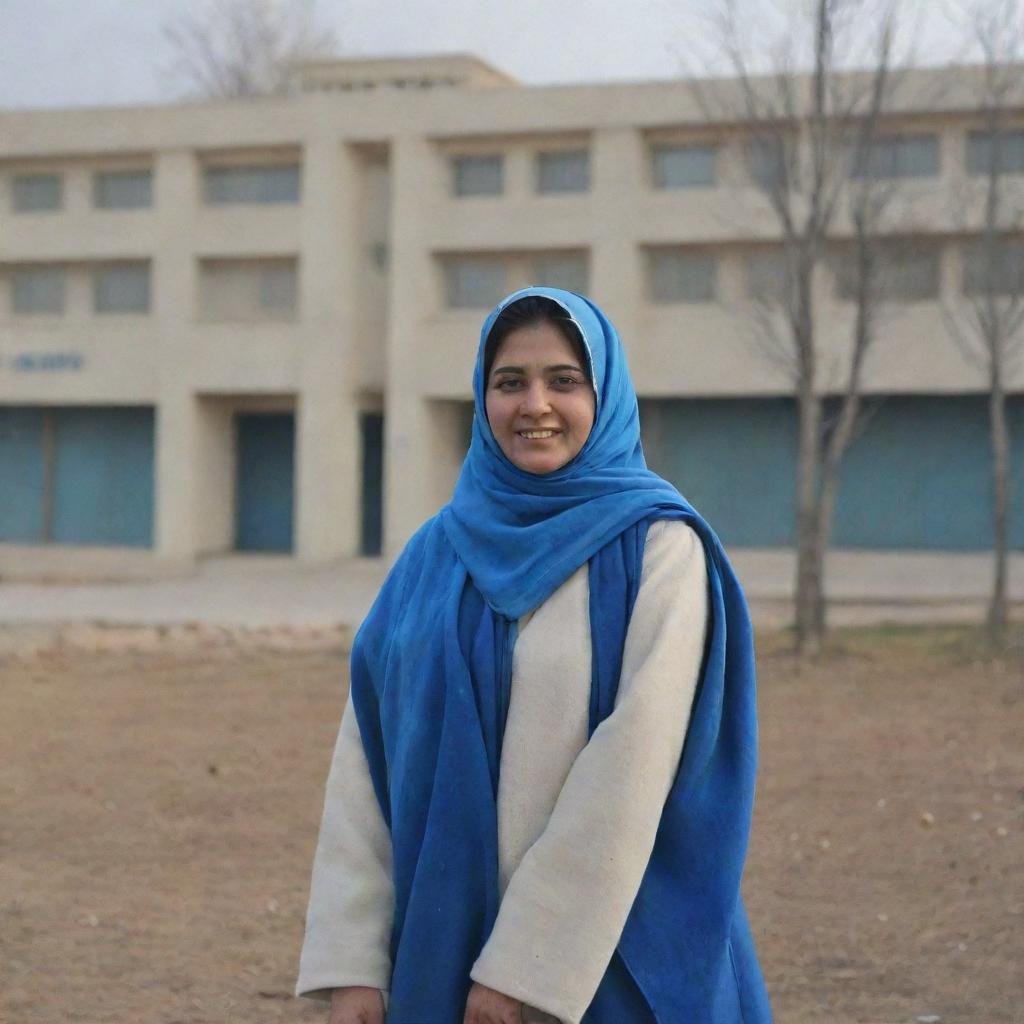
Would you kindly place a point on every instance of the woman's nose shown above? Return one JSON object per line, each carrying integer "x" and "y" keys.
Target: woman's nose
{"x": 535, "y": 399}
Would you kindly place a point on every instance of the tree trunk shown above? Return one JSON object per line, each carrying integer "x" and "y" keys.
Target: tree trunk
{"x": 809, "y": 551}
{"x": 997, "y": 609}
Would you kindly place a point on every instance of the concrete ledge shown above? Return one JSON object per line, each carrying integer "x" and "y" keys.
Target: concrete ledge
{"x": 265, "y": 592}
{"x": 71, "y": 564}
{"x": 879, "y": 576}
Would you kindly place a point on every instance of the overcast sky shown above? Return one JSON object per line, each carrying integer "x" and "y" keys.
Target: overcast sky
{"x": 94, "y": 52}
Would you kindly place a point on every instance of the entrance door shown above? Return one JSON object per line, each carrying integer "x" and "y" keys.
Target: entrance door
{"x": 77, "y": 475}
{"x": 23, "y": 472}
{"x": 372, "y": 425}
{"x": 265, "y": 481}
{"x": 103, "y": 476}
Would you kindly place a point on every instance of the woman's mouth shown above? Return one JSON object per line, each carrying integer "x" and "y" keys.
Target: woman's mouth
{"x": 536, "y": 435}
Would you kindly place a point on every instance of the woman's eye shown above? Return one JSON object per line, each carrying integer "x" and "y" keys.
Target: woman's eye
{"x": 509, "y": 384}
{"x": 565, "y": 382}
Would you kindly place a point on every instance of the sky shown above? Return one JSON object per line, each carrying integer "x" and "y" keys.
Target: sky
{"x": 56, "y": 53}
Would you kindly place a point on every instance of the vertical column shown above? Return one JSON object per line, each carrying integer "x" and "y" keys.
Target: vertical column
{"x": 172, "y": 286}
{"x": 409, "y": 491}
{"x": 328, "y": 485}
{"x": 616, "y": 280}
{"x": 518, "y": 172}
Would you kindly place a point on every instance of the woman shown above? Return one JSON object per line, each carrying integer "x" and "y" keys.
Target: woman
{"x": 540, "y": 797}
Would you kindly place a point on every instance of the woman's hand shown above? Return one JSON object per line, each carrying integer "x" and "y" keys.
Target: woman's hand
{"x": 488, "y": 1006}
{"x": 356, "y": 1004}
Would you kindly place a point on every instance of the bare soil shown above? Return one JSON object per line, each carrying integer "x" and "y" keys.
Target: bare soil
{"x": 159, "y": 810}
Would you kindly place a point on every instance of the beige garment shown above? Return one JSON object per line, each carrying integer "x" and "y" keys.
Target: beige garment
{"x": 576, "y": 819}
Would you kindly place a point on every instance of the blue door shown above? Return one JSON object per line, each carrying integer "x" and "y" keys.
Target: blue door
{"x": 918, "y": 476}
{"x": 77, "y": 475}
{"x": 103, "y": 476}
{"x": 22, "y": 475}
{"x": 264, "y": 484}
{"x": 733, "y": 459}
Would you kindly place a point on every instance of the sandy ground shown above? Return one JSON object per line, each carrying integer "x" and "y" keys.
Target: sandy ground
{"x": 159, "y": 808}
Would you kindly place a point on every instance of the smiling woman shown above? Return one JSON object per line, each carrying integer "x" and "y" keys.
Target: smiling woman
{"x": 541, "y": 792}
{"x": 540, "y": 396}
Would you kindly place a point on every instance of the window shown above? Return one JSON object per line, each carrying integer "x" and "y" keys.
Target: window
{"x": 474, "y": 282}
{"x": 278, "y": 291}
{"x": 274, "y": 184}
{"x": 996, "y": 268}
{"x": 766, "y": 276}
{"x": 681, "y": 275}
{"x": 248, "y": 290}
{"x": 37, "y": 290}
{"x": 566, "y": 270}
{"x": 898, "y": 156}
{"x": 122, "y": 190}
{"x": 1002, "y": 152}
{"x": 767, "y": 161}
{"x": 34, "y": 192}
{"x": 122, "y": 288}
{"x": 903, "y": 272}
{"x": 683, "y": 166}
{"x": 563, "y": 171}
{"x": 477, "y": 175}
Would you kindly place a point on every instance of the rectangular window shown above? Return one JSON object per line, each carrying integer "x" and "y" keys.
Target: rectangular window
{"x": 681, "y": 275}
{"x": 248, "y": 290}
{"x": 995, "y": 268}
{"x": 897, "y": 156}
{"x": 474, "y": 282}
{"x": 563, "y": 171}
{"x": 477, "y": 175}
{"x": 683, "y": 166}
{"x": 767, "y": 160}
{"x": 766, "y": 276}
{"x": 566, "y": 270}
{"x": 36, "y": 290}
{"x": 122, "y": 190}
{"x": 34, "y": 192}
{"x": 276, "y": 184}
{"x": 279, "y": 291}
{"x": 902, "y": 272}
{"x": 121, "y": 288}
{"x": 1002, "y": 152}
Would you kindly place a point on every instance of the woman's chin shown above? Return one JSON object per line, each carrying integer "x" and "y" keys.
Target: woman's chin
{"x": 538, "y": 463}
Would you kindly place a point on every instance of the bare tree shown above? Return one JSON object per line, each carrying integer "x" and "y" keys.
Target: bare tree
{"x": 811, "y": 144}
{"x": 990, "y": 324}
{"x": 239, "y": 48}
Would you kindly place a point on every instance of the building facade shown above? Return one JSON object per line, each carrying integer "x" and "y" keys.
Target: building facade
{"x": 250, "y": 325}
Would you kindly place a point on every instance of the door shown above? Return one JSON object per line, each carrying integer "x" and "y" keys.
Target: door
{"x": 103, "y": 476}
{"x": 265, "y": 481}
{"x": 23, "y": 475}
{"x": 372, "y": 430}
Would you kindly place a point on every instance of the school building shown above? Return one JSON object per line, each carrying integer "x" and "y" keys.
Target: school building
{"x": 250, "y": 325}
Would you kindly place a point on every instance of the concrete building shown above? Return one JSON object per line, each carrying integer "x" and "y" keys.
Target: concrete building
{"x": 250, "y": 325}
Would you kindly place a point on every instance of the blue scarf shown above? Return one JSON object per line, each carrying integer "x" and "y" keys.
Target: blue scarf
{"x": 431, "y": 674}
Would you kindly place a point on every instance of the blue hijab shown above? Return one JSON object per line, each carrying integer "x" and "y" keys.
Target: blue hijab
{"x": 431, "y": 676}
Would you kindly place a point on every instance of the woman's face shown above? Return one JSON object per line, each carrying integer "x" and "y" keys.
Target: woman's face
{"x": 539, "y": 402}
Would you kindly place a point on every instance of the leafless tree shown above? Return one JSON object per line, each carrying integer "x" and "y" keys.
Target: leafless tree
{"x": 812, "y": 137}
{"x": 989, "y": 325}
{"x": 240, "y": 48}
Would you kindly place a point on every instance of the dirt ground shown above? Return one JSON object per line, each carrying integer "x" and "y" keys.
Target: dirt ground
{"x": 159, "y": 809}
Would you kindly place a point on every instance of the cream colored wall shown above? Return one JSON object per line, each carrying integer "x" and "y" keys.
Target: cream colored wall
{"x": 215, "y": 471}
{"x": 375, "y": 170}
{"x": 373, "y": 230}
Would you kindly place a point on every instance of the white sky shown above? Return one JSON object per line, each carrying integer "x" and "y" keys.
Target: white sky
{"x": 96, "y": 52}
